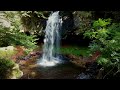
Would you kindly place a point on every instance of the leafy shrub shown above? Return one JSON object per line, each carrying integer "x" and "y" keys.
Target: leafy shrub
{"x": 12, "y": 35}
{"x": 104, "y": 61}
{"x": 5, "y": 66}
{"x": 105, "y": 37}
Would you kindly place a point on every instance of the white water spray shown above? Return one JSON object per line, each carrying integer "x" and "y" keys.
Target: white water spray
{"x": 52, "y": 41}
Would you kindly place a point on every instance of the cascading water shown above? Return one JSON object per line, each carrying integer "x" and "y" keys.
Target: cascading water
{"x": 52, "y": 41}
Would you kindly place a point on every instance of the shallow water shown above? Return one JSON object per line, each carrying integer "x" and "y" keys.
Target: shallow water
{"x": 60, "y": 71}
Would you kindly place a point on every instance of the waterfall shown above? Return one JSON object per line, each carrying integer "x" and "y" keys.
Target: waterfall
{"x": 51, "y": 45}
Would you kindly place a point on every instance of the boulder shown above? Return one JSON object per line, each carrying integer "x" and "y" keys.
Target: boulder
{"x": 15, "y": 73}
{"x": 11, "y": 48}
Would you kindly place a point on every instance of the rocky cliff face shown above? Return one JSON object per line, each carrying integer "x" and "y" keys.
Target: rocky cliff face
{"x": 4, "y": 21}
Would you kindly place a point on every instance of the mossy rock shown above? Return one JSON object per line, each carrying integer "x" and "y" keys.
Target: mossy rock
{"x": 9, "y": 69}
{"x": 15, "y": 73}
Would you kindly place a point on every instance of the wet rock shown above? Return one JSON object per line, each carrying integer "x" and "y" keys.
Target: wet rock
{"x": 22, "y": 62}
{"x": 84, "y": 76}
{"x": 27, "y": 57}
{"x": 15, "y": 73}
{"x": 35, "y": 53}
{"x": 33, "y": 74}
{"x": 63, "y": 58}
{"x": 38, "y": 53}
{"x": 11, "y": 48}
{"x": 91, "y": 71}
{"x": 32, "y": 54}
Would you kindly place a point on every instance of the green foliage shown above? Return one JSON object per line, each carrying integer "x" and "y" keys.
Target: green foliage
{"x": 99, "y": 30}
{"x": 24, "y": 40}
{"x": 5, "y": 66}
{"x": 101, "y": 23}
{"x": 4, "y": 36}
{"x": 75, "y": 50}
{"x": 104, "y": 61}
{"x": 106, "y": 39}
{"x": 12, "y": 35}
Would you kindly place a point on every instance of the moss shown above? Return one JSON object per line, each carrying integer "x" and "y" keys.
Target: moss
{"x": 5, "y": 66}
{"x": 9, "y": 69}
{"x": 75, "y": 50}
{"x": 15, "y": 73}
{"x": 7, "y": 52}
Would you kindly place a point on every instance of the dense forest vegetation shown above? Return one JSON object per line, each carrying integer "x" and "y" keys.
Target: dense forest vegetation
{"x": 91, "y": 35}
